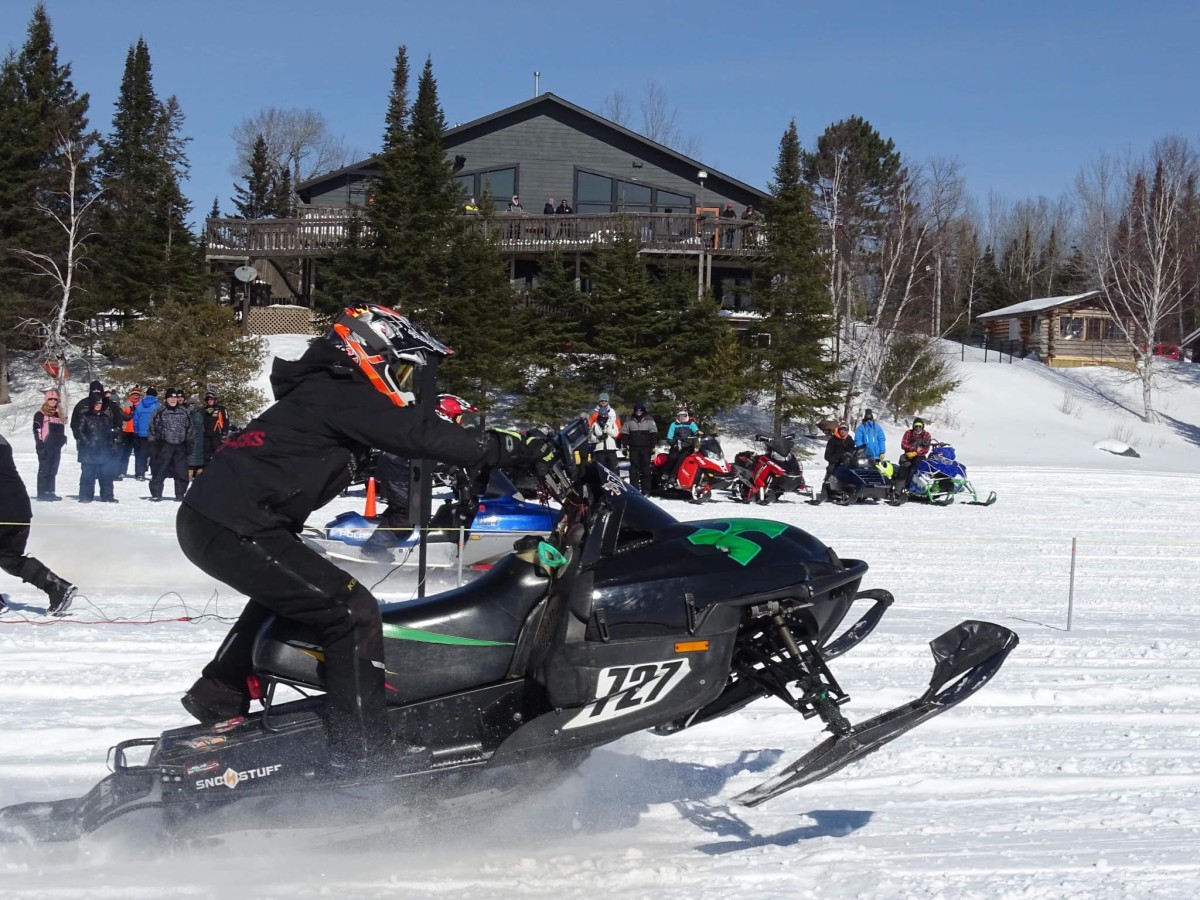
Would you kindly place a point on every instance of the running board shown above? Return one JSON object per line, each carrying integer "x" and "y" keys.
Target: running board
{"x": 967, "y": 655}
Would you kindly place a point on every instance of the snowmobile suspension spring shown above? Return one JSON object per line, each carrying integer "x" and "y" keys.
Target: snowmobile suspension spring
{"x": 815, "y": 690}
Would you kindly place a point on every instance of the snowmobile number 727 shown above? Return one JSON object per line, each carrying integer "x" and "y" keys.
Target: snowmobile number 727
{"x": 623, "y": 619}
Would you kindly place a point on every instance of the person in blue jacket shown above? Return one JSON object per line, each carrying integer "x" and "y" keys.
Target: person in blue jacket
{"x": 870, "y": 434}
{"x": 679, "y": 436}
{"x": 142, "y": 414}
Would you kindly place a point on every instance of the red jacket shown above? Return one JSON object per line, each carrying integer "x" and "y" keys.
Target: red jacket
{"x": 916, "y": 441}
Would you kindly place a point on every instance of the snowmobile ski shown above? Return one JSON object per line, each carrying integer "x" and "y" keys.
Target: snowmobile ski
{"x": 968, "y": 655}
{"x": 991, "y": 498}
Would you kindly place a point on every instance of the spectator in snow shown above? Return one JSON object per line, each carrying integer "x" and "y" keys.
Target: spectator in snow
{"x": 640, "y": 434}
{"x": 170, "y": 437}
{"x": 95, "y": 452}
{"x": 216, "y": 425}
{"x": 195, "y": 461}
{"x": 119, "y": 417}
{"x": 49, "y": 436}
{"x": 129, "y": 435}
{"x": 141, "y": 432}
{"x": 605, "y": 431}
{"x": 870, "y": 434}
{"x": 83, "y": 406}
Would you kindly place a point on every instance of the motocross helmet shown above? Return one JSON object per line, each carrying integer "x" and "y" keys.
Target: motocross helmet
{"x": 682, "y": 415}
{"x": 451, "y": 408}
{"x": 385, "y": 346}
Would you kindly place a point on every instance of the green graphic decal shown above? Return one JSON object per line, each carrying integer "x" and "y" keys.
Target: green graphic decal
{"x": 400, "y": 633}
{"x": 740, "y": 549}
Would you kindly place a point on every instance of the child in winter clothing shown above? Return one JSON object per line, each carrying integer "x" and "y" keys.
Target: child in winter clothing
{"x": 49, "y": 437}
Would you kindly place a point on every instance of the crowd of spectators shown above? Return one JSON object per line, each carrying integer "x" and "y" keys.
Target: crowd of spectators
{"x": 172, "y": 439}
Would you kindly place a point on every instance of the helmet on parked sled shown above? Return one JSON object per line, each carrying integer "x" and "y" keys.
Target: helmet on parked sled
{"x": 451, "y": 408}
{"x": 385, "y": 346}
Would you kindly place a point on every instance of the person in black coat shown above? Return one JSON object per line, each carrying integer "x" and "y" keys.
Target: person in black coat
{"x": 640, "y": 434}
{"x": 216, "y": 425}
{"x": 17, "y": 512}
{"x": 94, "y": 389}
{"x": 49, "y": 436}
{"x": 839, "y": 446}
{"x": 239, "y": 523}
{"x": 95, "y": 438}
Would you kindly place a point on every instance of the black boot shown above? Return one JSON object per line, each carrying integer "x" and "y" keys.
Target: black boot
{"x": 61, "y": 593}
{"x": 211, "y": 701}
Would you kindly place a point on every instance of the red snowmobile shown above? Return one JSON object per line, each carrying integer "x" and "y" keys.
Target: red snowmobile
{"x": 766, "y": 476}
{"x": 702, "y": 469}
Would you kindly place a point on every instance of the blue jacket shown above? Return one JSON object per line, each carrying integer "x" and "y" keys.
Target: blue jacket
{"x": 677, "y": 427}
{"x": 142, "y": 414}
{"x": 870, "y": 435}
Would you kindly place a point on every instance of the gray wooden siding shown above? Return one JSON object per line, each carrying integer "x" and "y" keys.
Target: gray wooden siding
{"x": 547, "y": 151}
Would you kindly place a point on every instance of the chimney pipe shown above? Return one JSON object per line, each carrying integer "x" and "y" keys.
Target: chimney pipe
{"x": 536, "y": 90}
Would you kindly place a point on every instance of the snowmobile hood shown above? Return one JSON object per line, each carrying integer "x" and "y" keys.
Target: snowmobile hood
{"x": 286, "y": 374}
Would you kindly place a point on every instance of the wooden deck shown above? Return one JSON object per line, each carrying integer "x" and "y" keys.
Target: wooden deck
{"x": 321, "y": 232}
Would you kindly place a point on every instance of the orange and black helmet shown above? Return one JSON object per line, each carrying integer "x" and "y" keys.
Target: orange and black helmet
{"x": 385, "y": 346}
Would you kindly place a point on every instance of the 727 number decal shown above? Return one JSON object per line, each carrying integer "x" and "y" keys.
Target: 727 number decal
{"x": 621, "y": 690}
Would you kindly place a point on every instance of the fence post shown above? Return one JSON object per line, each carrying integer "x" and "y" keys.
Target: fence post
{"x": 1071, "y": 589}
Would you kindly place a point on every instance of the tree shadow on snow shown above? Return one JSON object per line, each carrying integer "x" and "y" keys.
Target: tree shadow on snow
{"x": 1186, "y": 430}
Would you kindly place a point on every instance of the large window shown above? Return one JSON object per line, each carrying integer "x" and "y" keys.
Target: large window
{"x": 596, "y": 193}
{"x": 500, "y": 183}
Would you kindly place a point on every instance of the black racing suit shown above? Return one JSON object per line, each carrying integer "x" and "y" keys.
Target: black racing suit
{"x": 15, "y": 510}
{"x": 239, "y": 524}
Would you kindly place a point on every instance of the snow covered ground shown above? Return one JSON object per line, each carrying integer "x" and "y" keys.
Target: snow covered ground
{"x": 1075, "y": 773}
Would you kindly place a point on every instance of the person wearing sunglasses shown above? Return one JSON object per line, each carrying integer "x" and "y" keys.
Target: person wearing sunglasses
{"x": 914, "y": 447}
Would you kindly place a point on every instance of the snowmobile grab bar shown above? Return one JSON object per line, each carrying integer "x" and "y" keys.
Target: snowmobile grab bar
{"x": 116, "y": 755}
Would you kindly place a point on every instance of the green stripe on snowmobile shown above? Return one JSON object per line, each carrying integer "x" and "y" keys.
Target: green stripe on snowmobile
{"x": 401, "y": 633}
{"x": 741, "y": 550}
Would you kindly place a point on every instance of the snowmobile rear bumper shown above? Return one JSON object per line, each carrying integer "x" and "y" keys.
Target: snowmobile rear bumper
{"x": 967, "y": 656}
{"x": 128, "y": 788}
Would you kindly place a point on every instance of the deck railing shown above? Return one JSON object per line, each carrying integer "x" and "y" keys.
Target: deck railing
{"x": 320, "y": 231}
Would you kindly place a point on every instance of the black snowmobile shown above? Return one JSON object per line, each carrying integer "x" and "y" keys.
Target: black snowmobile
{"x": 623, "y": 620}
{"x": 858, "y": 478}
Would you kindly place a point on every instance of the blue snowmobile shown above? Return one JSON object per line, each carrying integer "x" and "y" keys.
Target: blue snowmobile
{"x": 492, "y": 519}
{"x": 940, "y": 476}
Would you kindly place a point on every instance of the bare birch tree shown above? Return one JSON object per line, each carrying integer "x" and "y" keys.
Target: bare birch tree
{"x": 660, "y": 120}
{"x": 1134, "y": 239}
{"x": 297, "y": 139}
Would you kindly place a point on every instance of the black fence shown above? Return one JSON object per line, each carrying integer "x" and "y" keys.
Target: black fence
{"x": 991, "y": 347}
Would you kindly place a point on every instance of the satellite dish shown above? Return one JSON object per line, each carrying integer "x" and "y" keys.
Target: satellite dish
{"x": 245, "y": 273}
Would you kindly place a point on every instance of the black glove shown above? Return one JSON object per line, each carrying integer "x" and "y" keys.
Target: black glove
{"x": 531, "y": 451}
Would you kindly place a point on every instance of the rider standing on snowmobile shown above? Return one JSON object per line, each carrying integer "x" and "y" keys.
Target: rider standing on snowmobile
{"x": 239, "y": 523}
{"x": 840, "y": 445}
{"x": 915, "y": 447}
{"x": 16, "y": 511}
{"x": 679, "y": 435}
{"x": 870, "y": 434}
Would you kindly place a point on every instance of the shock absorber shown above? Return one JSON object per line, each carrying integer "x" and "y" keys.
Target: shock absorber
{"x": 816, "y": 692}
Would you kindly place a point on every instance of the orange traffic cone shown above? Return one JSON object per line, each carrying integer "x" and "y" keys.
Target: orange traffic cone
{"x": 370, "y": 511}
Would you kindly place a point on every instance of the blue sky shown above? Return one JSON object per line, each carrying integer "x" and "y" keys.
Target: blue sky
{"x": 1023, "y": 94}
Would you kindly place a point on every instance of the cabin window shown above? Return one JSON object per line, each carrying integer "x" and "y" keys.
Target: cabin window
{"x": 1070, "y": 328}
{"x": 633, "y": 198}
{"x": 593, "y": 193}
{"x": 1101, "y": 330}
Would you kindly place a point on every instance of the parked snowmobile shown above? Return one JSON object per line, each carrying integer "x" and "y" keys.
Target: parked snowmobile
{"x": 857, "y": 477}
{"x": 940, "y": 476}
{"x": 702, "y": 470}
{"x": 492, "y": 521}
{"x": 624, "y": 620}
{"x": 763, "y": 477}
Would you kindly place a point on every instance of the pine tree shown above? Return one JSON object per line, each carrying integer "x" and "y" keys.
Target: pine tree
{"x": 258, "y": 199}
{"x": 625, "y": 322}
{"x": 555, "y": 386}
{"x": 482, "y": 318}
{"x": 150, "y": 254}
{"x": 193, "y": 347}
{"x": 795, "y": 369}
